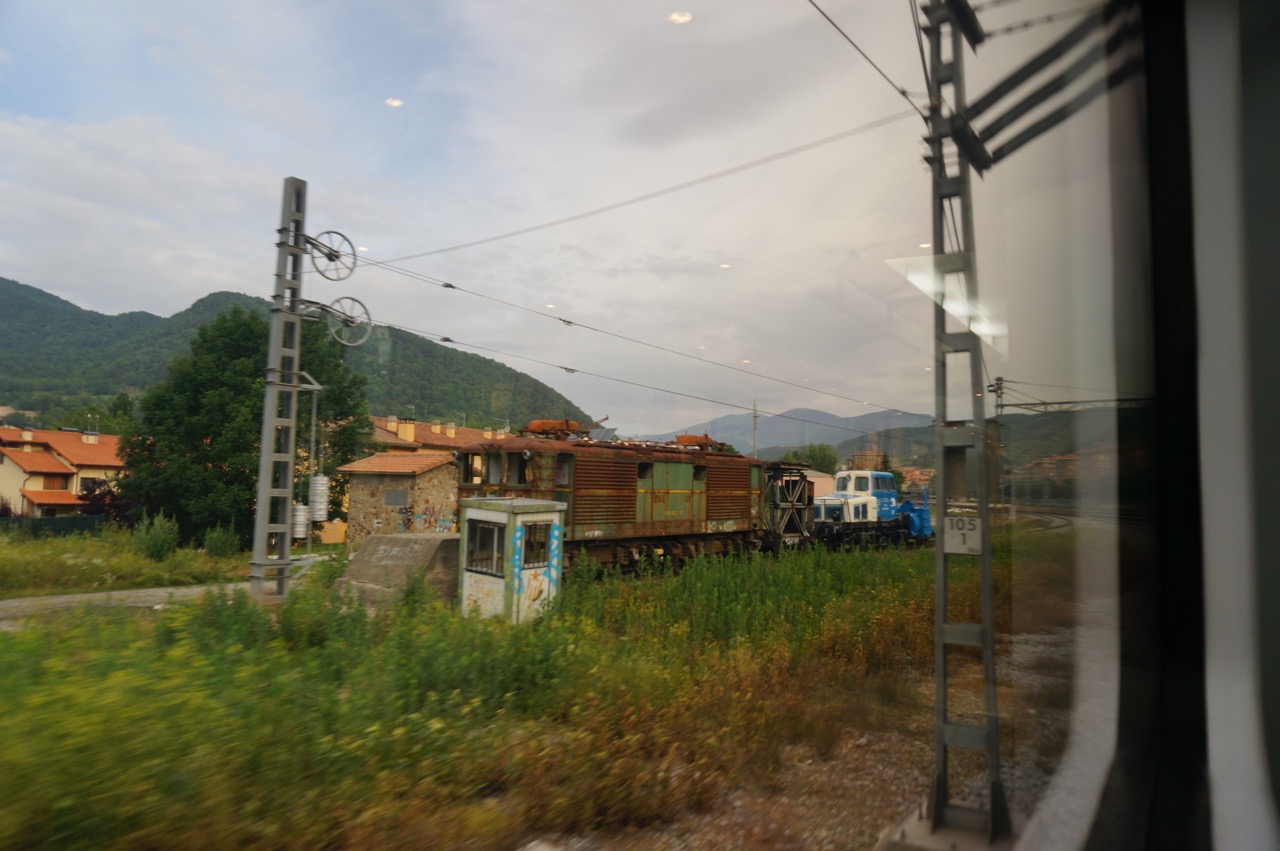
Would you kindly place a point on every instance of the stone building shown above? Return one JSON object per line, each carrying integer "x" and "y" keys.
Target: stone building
{"x": 397, "y": 492}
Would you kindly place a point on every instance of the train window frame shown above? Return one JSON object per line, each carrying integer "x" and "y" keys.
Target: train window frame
{"x": 517, "y": 469}
{"x": 492, "y": 468}
{"x": 644, "y": 471}
{"x": 700, "y": 473}
{"x": 564, "y": 469}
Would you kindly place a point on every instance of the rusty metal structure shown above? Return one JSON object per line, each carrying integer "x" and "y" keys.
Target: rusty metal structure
{"x": 628, "y": 501}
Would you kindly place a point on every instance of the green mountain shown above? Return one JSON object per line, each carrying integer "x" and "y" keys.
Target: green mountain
{"x": 54, "y": 354}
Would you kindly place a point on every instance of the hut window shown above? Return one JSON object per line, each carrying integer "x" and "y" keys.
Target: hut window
{"x": 493, "y": 469}
{"x": 395, "y": 498}
{"x": 536, "y": 536}
{"x": 485, "y": 544}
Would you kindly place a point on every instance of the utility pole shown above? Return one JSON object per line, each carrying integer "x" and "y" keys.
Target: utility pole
{"x": 960, "y": 446}
{"x": 333, "y": 256}
{"x": 275, "y": 464}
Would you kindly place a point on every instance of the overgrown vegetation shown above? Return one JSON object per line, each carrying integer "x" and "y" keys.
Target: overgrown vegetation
{"x": 321, "y": 724}
{"x": 110, "y": 561}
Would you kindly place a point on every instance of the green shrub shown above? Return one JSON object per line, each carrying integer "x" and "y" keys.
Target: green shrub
{"x": 157, "y": 537}
{"x": 221, "y": 542}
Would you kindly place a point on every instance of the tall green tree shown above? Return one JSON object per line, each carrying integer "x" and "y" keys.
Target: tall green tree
{"x": 820, "y": 456}
{"x": 194, "y": 454}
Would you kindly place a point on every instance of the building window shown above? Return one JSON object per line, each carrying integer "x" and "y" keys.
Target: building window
{"x": 395, "y": 498}
{"x": 485, "y": 547}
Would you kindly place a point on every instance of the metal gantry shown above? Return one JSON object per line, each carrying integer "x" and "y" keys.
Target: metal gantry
{"x": 961, "y": 445}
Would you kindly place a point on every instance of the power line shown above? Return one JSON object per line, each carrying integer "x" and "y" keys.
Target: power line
{"x": 575, "y": 371}
{"x": 679, "y": 187}
{"x": 899, "y": 89}
{"x": 1068, "y": 387}
{"x": 1029, "y": 23}
{"x": 924, "y": 64}
{"x": 573, "y": 323}
{"x": 992, "y": 4}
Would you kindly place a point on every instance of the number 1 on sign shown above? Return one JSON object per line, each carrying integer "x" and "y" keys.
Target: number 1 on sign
{"x": 962, "y": 535}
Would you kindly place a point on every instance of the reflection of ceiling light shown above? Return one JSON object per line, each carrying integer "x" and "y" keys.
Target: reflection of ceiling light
{"x": 550, "y": 305}
{"x": 680, "y": 17}
{"x": 361, "y": 248}
{"x": 724, "y": 265}
{"x": 393, "y": 102}
{"x": 744, "y": 360}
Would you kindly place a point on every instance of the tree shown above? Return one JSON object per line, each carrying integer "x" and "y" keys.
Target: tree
{"x": 194, "y": 455}
{"x": 820, "y": 456}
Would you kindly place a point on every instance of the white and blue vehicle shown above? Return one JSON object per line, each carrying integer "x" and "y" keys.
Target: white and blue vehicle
{"x": 865, "y": 511}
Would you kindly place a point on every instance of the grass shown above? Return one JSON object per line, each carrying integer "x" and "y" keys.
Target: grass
{"x": 320, "y": 723}
{"x": 109, "y": 561}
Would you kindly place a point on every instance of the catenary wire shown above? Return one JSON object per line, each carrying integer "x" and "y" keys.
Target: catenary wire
{"x": 897, "y": 88}
{"x": 1030, "y": 23}
{"x": 573, "y": 323}
{"x": 679, "y": 187}
{"x": 924, "y": 64}
{"x": 640, "y": 385}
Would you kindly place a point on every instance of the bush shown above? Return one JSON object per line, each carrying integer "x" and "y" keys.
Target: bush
{"x": 156, "y": 537}
{"x": 221, "y": 542}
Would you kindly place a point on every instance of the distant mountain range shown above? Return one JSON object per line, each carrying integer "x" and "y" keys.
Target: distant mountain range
{"x": 908, "y": 439}
{"x": 797, "y": 427}
{"x": 49, "y": 347}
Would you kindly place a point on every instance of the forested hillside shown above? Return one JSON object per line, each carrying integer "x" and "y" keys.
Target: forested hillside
{"x": 56, "y": 357}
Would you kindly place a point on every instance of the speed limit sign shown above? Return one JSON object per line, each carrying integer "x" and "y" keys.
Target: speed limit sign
{"x": 962, "y": 535}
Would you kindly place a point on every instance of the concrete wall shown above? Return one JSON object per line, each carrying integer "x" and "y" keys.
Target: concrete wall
{"x": 432, "y": 504}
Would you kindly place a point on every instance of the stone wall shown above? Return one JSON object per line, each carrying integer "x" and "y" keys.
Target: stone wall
{"x": 425, "y": 503}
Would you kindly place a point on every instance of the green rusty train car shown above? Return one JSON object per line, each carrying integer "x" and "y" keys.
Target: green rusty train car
{"x": 629, "y": 500}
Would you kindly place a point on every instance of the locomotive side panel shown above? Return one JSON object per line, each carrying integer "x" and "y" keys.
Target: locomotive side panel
{"x": 626, "y": 502}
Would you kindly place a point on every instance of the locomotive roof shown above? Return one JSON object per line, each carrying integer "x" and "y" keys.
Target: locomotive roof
{"x": 637, "y": 449}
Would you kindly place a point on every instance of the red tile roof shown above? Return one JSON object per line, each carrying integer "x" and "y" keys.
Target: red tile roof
{"x": 386, "y": 437}
{"x": 51, "y": 497}
{"x": 425, "y": 434}
{"x": 72, "y": 445}
{"x": 399, "y": 463}
{"x": 36, "y": 461}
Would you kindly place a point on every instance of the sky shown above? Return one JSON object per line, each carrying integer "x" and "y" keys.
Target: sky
{"x": 144, "y": 145}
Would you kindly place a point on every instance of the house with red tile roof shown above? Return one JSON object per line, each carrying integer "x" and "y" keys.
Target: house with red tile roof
{"x": 397, "y": 491}
{"x": 43, "y": 470}
{"x": 432, "y": 435}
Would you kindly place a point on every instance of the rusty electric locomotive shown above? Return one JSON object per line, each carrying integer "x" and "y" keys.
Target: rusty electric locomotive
{"x": 627, "y": 501}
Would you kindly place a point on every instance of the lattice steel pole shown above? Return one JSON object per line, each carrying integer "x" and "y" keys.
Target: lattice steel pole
{"x": 961, "y": 447}
{"x": 273, "y": 509}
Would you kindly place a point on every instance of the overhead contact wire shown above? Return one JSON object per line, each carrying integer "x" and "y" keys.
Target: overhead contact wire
{"x": 573, "y": 323}
{"x": 640, "y": 385}
{"x": 658, "y": 193}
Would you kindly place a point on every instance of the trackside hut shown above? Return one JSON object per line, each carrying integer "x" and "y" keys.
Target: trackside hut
{"x": 395, "y": 492}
